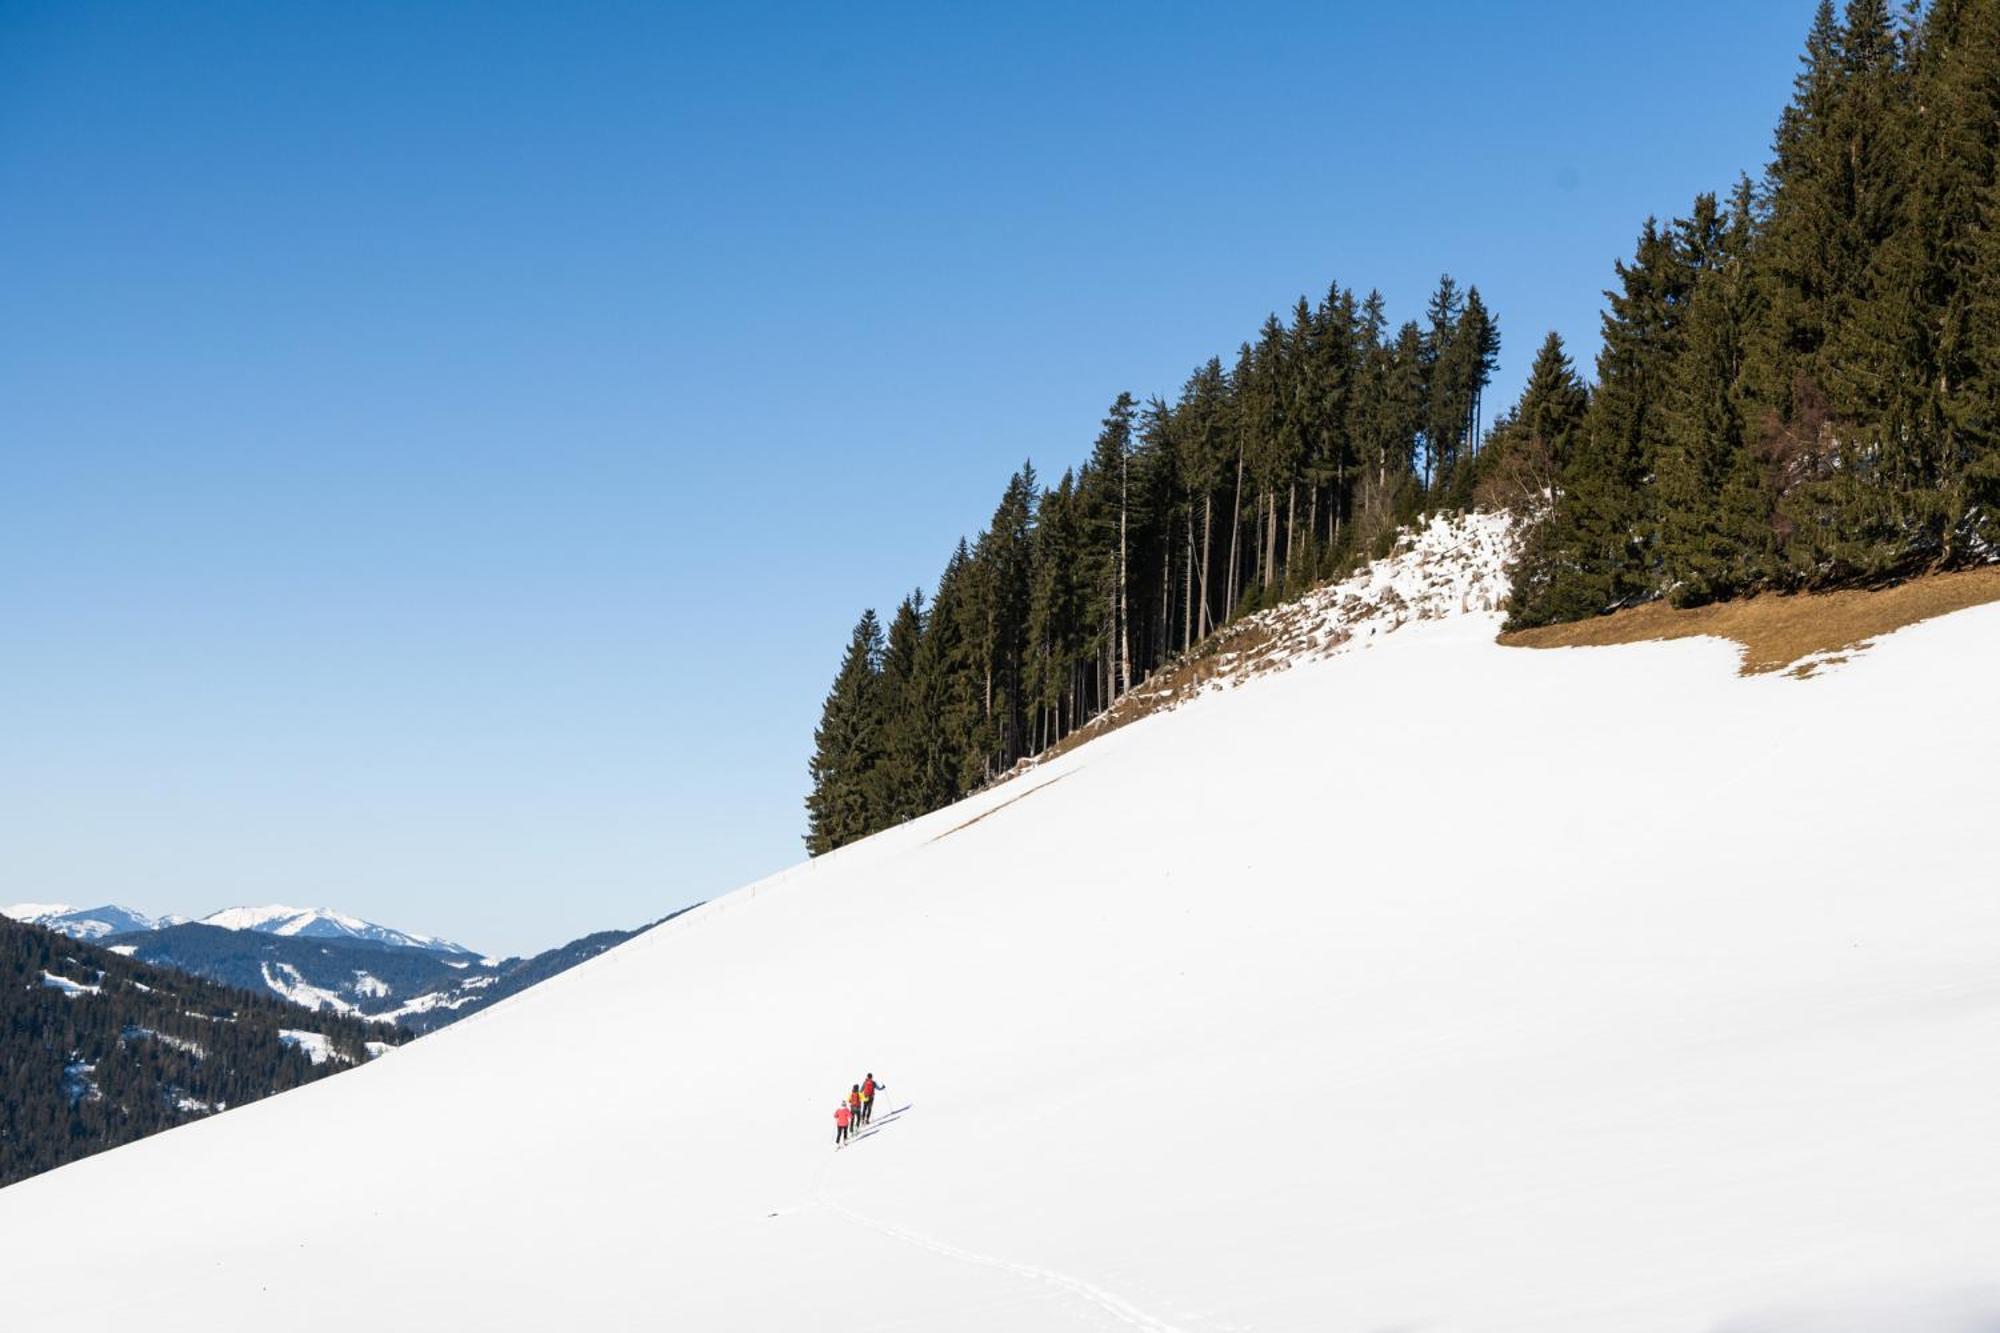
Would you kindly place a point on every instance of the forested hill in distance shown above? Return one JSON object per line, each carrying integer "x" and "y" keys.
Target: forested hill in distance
{"x": 97, "y": 1049}
{"x": 1798, "y": 389}
{"x": 416, "y": 988}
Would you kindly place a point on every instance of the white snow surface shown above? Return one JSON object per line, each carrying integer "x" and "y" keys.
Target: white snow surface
{"x": 288, "y": 982}
{"x": 1438, "y": 987}
{"x": 1454, "y": 565}
{"x": 316, "y": 1046}
{"x": 72, "y": 989}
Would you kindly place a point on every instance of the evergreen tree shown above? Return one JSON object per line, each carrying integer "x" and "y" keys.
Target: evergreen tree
{"x": 1056, "y": 616}
{"x": 1201, "y": 455}
{"x": 1003, "y": 562}
{"x": 847, "y": 745}
{"x": 1332, "y": 456}
{"x": 943, "y": 709}
{"x": 1104, "y": 492}
{"x": 1715, "y": 530}
{"x": 1521, "y": 465}
{"x": 1444, "y": 379}
{"x": 896, "y": 780}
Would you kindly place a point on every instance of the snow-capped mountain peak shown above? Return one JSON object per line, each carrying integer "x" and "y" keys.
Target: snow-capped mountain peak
{"x": 325, "y": 923}
{"x": 33, "y": 912}
{"x": 87, "y": 923}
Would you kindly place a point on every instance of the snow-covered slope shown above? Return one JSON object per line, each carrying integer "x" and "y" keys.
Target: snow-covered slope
{"x": 324, "y": 923}
{"x": 1440, "y": 986}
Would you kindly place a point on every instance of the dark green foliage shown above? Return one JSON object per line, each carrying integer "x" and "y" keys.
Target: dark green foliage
{"x": 1524, "y": 460}
{"x": 848, "y": 744}
{"x": 1802, "y": 388}
{"x": 1252, "y": 485}
{"x": 894, "y": 782}
{"x": 147, "y": 1049}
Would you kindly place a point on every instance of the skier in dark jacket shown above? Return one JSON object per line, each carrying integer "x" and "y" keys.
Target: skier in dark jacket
{"x": 869, "y": 1087}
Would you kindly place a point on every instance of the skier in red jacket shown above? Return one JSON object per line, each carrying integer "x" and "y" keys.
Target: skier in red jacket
{"x": 842, "y": 1118}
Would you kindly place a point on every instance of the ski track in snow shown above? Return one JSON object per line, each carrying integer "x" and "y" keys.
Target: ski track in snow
{"x": 1116, "y": 1306}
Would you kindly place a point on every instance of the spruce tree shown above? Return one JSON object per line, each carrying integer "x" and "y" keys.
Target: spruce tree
{"x": 1445, "y": 379}
{"x": 847, "y": 745}
{"x": 896, "y": 779}
{"x": 1522, "y": 463}
{"x": 1715, "y": 531}
{"x": 944, "y": 689}
{"x": 1595, "y": 552}
{"x": 1201, "y": 449}
{"x": 1104, "y": 489}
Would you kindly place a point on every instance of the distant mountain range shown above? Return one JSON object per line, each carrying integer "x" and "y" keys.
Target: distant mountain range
{"x": 314, "y": 923}
{"x": 319, "y": 923}
{"x": 320, "y": 959}
{"x": 87, "y": 923}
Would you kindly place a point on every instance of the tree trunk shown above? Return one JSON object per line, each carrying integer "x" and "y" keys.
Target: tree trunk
{"x": 1270, "y": 537}
{"x": 1291, "y": 527}
{"x": 1257, "y": 538}
{"x": 1207, "y": 517}
{"x": 1312, "y": 516}
{"x": 1235, "y": 532}
{"x": 1124, "y": 678}
{"x": 1337, "y": 500}
{"x": 1187, "y": 589}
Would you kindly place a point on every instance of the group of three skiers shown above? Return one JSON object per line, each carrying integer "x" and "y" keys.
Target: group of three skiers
{"x": 856, "y": 1109}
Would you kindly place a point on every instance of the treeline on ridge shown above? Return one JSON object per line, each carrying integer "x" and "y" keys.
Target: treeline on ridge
{"x": 1798, "y": 387}
{"x": 1259, "y": 480}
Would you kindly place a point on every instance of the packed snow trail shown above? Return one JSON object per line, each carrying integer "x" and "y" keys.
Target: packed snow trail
{"x": 1436, "y": 986}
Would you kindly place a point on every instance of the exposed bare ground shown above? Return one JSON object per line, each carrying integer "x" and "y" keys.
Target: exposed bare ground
{"x": 1797, "y": 633}
{"x": 1240, "y": 650}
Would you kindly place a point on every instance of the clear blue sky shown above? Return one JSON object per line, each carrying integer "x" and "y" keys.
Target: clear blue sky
{"x": 443, "y": 447}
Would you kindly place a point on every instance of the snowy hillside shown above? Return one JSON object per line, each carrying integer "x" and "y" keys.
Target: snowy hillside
{"x": 1370, "y": 995}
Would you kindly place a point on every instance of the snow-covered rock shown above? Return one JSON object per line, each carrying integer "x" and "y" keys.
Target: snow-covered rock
{"x": 1436, "y": 986}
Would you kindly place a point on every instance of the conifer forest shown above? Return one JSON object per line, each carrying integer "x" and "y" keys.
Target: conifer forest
{"x": 1798, "y": 387}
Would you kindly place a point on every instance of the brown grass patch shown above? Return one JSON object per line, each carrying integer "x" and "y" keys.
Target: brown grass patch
{"x": 1235, "y": 652}
{"x": 1781, "y": 632}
